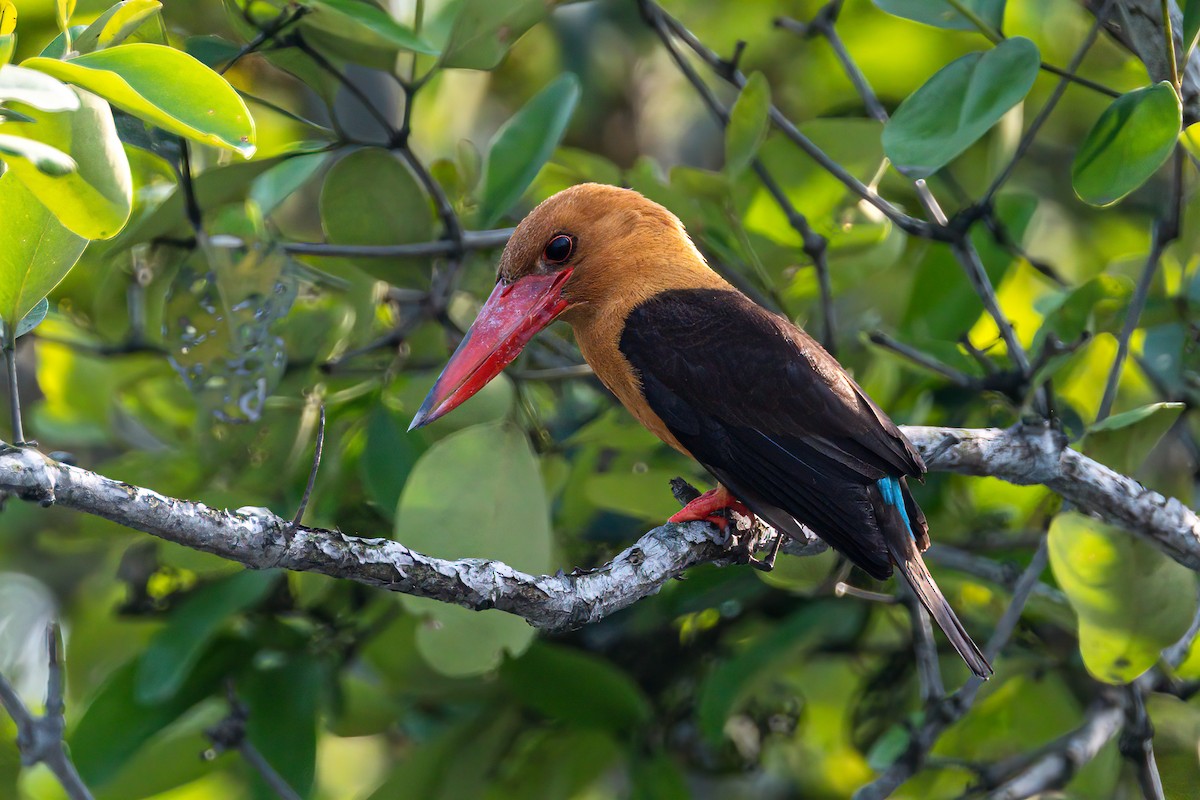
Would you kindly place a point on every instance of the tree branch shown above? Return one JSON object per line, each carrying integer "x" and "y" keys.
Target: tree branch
{"x": 259, "y": 539}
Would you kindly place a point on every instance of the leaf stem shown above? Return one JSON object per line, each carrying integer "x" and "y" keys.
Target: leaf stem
{"x": 993, "y": 35}
{"x": 14, "y": 398}
{"x": 1169, "y": 36}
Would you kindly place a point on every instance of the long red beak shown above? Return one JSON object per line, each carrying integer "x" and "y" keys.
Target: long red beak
{"x": 508, "y": 320}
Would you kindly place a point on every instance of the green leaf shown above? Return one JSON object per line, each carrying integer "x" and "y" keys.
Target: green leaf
{"x": 941, "y": 14}
{"x": 1130, "y": 141}
{"x": 170, "y": 656}
{"x": 1131, "y": 600}
{"x": 1123, "y": 441}
{"x": 577, "y": 688}
{"x": 748, "y": 124}
{"x": 8, "y": 43}
{"x": 475, "y": 494}
{"x": 524, "y": 144}
{"x": 1191, "y": 27}
{"x": 35, "y": 89}
{"x": 36, "y": 251}
{"x": 283, "y": 702}
{"x": 733, "y": 678}
{"x": 95, "y": 200}
{"x": 958, "y": 105}
{"x": 360, "y": 32}
{"x": 370, "y": 197}
{"x": 196, "y": 102}
{"x": 43, "y": 157}
{"x": 114, "y": 725}
{"x": 388, "y": 457}
{"x": 115, "y": 25}
{"x": 1094, "y": 306}
{"x": 281, "y": 181}
{"x": 484, "y": 30}
{"x": 33, "y": 318}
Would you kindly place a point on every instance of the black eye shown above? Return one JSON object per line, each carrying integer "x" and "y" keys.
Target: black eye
{"x": 559, "y": 249}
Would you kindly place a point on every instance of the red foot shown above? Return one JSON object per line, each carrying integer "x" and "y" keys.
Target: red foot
{"x": 706, "y": 508}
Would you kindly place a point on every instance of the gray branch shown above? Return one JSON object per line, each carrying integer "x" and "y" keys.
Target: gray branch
{"x": 40, "y": 739}
{"x": 259, "y": 539}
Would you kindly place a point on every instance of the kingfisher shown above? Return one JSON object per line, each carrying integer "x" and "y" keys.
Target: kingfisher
{"x": 787, "y": 434}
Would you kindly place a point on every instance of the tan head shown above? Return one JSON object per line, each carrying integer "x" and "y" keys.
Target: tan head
{"x": 589, "y": 253}
{"x": 619, "y": 246}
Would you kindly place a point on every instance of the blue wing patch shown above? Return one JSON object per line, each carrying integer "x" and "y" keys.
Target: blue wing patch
{"x": 894, "y": 496}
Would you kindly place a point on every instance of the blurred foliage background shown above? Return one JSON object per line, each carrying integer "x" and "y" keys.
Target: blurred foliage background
{"x": 193, "y": 360}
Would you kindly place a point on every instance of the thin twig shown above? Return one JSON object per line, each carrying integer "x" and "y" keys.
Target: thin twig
{"x": 40, "y": 739}
{"x": 316, "y": 465}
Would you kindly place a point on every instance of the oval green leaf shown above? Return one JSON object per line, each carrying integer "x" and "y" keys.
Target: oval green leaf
{"x": 115, "y": 25}
{"x": 524, "y": 144}
{"x": 958, "y": 105}
{"x": 748, "y": 124}
{"x": 170, "y": 656}
{"x": 370, "y": 197}
{"x": 95, "y": 200}
{"x": 484, "y": 30}
{"x": 196, "y": 102}
{"x": 1130, "y": 141}
{"x": 44, "y": 158}
{"x": 1131, "y": 600}
{"x": 35, "y": 89}
{"x": 477, "y": 493}
{"x": 360, "y": 32}
{"x": 941, "y": 14}
{"x": 36, "y": 251}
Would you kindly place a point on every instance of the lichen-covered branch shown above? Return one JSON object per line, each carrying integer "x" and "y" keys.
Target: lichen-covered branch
{"x": 259, "y": 539}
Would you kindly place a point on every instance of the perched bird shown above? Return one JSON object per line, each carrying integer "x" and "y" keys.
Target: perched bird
{"x": 752, "y": 397}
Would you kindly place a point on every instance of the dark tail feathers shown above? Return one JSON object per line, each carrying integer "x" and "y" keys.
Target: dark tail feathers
{"x": 901, "y": 544}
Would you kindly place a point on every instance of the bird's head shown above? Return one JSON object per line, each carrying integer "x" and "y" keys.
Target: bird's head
{"x": 590, "y": 249}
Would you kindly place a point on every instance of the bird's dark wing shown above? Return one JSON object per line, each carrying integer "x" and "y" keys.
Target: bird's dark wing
{"x": 765, "y": 409}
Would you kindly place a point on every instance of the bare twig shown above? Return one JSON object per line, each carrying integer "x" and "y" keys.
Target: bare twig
{"x": 230, "y": 734}
{"x": 312, "y": 473}
{"x": 40, "y": 739}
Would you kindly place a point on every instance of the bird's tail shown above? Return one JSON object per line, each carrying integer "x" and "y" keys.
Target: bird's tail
{"x": 893, "y": 505}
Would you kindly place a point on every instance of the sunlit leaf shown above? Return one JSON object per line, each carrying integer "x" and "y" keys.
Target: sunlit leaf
{"x": 36, "y": 251}
{"x": 94, "y": 200}
{"x": 196, "y": 102}
{"x": 941, "y": 14}
{"x": 35, "y": 89}
{"x": 1131, "y": 599}
{"x": 748, "y": 124}
{"x": 483, "y": 30}
{"x": 169, "y": 658}
{"x": 8, "y": 17}
{"x": 115, "y": 25}
{"x": 63, "y": 11}
{"x": 43, "y": 157}
{"x": 8, "y": 43}
{"x": 958, "y": 105}
{"x": 477, "y": 493}
{"x": 1130, "y": 141}
{"x": 1123, "y": 441}
{"x": 524, "y": 144}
